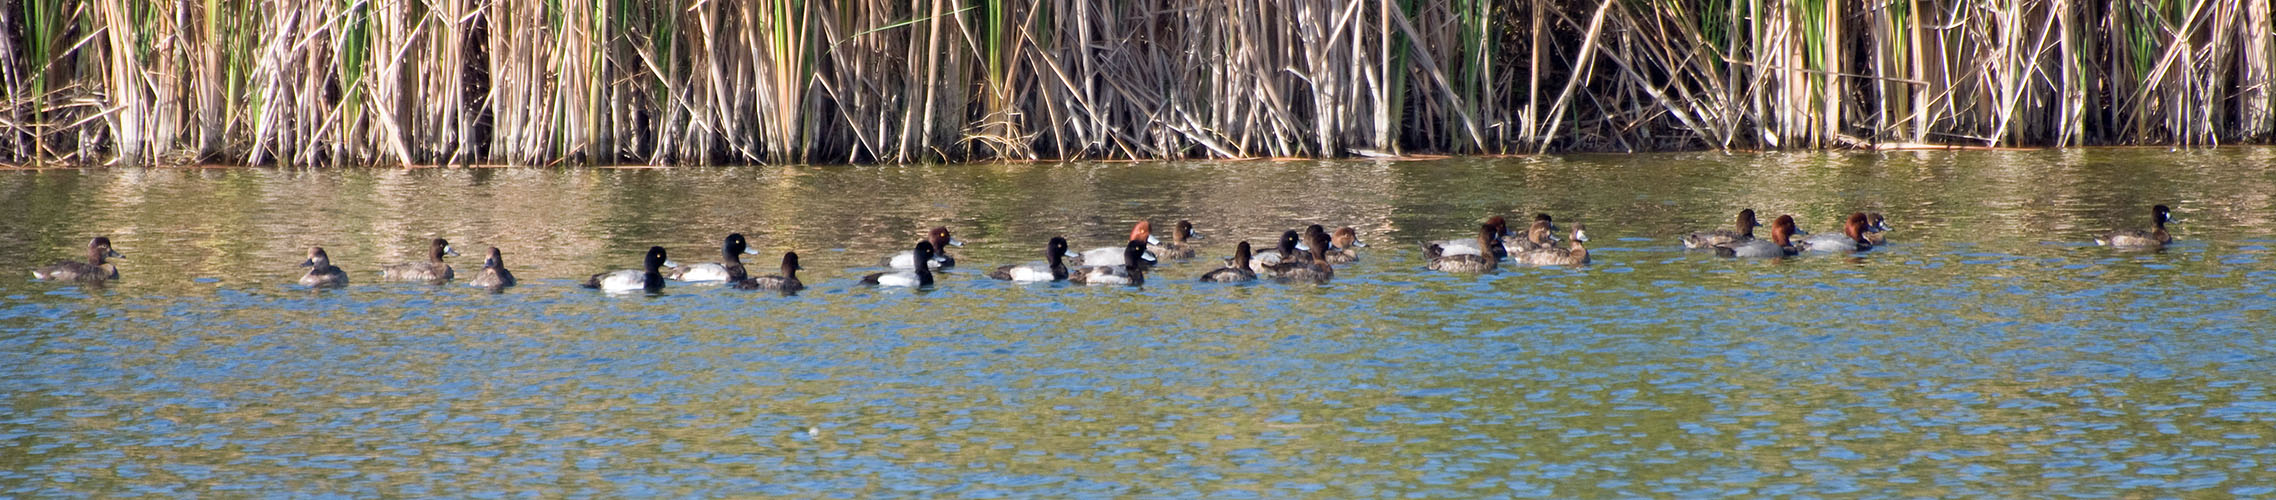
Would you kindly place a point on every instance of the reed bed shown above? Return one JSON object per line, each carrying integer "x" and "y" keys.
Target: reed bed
{"x": 891, "y": 81}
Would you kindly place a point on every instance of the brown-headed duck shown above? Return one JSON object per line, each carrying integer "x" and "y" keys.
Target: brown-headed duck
{"x": 1469, "y": 260}
{"x": 95, "y": 270}
{"x": 647, "y": 278}
{"x": 1542, "y": 235}
{"x": 1142, "y": 232}
{"x": 1347, "y": 245}
{"x": 1181, "y": 243}
{"x": 1780, "y": 243}
{"x": 787, "y": 282}
{"x": 940, "y": 240}
{"x": 1878, "y": 225}
{"x": 494, "y": 273}
{"x": 1314, "y": 270}
{"x": 433, "y": 270}
{"x": 1472, "y": 246}
{"x": 1851, "y": 239}
{"x": 2139, "y": 239}
{"x": 1236, "y": 269}
{"x": 1576, "y": 255}
{"x": 1052, "y": 268}
{"x": 1715, "y": 238}
{"x": 321, "y": 272}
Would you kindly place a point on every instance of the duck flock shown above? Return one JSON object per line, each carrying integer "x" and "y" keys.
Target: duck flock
{"x": 1307, "y": 256}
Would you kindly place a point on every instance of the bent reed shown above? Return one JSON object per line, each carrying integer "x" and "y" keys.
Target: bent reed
{"x": 892, "y": 81}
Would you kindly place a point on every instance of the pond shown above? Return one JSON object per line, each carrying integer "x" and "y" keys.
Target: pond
{"x": 1990, "y": 350}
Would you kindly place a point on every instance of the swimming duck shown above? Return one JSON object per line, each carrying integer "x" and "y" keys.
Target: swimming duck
{"x": 729, "y": 268}
{"x": 1114, "y": 256}
{"x": 1053, "y": 267}
{"x": 494, "y": 273}
{"x": 1470, "y": 260}
{"x": 787, "y": 282}
{"x": 1542, "y": 235}
{"x": 1877, "y": 225}
{"x": 2139, "y": 239}
{"x": 644, "y": 279}
{"x": 940, "y": 240}
{"x": 1577, "y": 255}
{"x": 916, "y": 276}
{"x": 321, "y": 272}
{"x": 433, "y": 270}
{"x": 1286, "y": 249}
{"x": 1347, "y": 246}
{"x": 1180, "y": 245}
{"x": 1472, "y": 246}
{"x": 1851, "y": 239}
{"x": 1314, "y": 270}
{"x": 95, "y": 270}
{"x": 1236, "y": 269}
{"x": 1715, "y": 238}
{"x": 1779, "y": 244}
{"x": 1133, "y": 275}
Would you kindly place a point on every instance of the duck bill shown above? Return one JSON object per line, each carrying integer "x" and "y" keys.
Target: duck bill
{"x": 1304, "y": 247}
{"x": 308, "y": 263}
{"x": 113, "y": 254}
{"x": 750, "y": 251}
{"x": 671, "y": 263}
{"x": 448, "y": 251}
{"x": 1148, "y": 257}
{"x": 955, "y": 242}
{"x": 1069, "y": 253}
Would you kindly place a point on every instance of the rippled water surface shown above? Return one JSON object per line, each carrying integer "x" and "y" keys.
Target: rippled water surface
{"x": 1991, "y": 351}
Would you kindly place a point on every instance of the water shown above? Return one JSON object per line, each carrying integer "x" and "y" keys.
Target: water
{"x": 1991, "y": 351}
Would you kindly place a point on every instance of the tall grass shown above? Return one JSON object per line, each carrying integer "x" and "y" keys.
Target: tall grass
{"x": 893, "y": 81}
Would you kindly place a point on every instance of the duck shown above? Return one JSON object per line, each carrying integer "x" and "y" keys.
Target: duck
{"x": 1286, "y": 249}
{"x": 647, "y": 278}
{"x": 2139, "y": 239}
{"x": 321, "y": 272}
{"x": 1347, "y": 245}
{"x": 1877, "y": 225}
{"x": 1779, "y": 244}
{"x": 1236, "y": 269}
{"x": 1576, "y": 255}
{"x": 915, "y": 276}
{"x": 1715, "y": 238}
{"x": 728, "y": 269}
{"x": 787, "y": 282}
{"x": 1471, "y": 246}
{"x": 1114, "y": 256}
{"x": 1470, "y": 260}
{"x": 1133, "y": 275}
{"x": 494, "y": 274}
{"x": 1851, "y": 239}
{"x": 432, "y": 270}
{"x": 1180, "y": 245}
{"x": 95, "y": 270}
{"x": 1314, "y": 270}
{"x": 1053, "y": 267}
{"x": 940, "y": 240}
{"x": 1542, "y": 235}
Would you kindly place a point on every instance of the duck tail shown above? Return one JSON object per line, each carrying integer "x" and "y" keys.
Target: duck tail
{"x": 593, "y": 282}
{"x": 1432, "y": 250}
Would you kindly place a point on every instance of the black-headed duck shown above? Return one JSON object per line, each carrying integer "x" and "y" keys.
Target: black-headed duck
{"x": 1715, "y": 238}
{"x": 2139, "y": 239}
{"x": 1285, "y": 250}
{"x": 1780, "y": 243}
{"x": 321, "y": 272}
{"x": 1052, "y": 268}
{"x": 1236, "y": 269}
{"x": 1469, "y": 260}
{"x": 494, "y": 273}
{"x": 787, "y": 282}
{"x": 95, "y": 270}
{"x": 915, "y": 276}
{"x": 940, "y": 239}
{"x": 1134, "y": 275}
{"x": 729, "y": 268}
{"x": 432, "y": 270}
{"x": 647, "y": 278}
